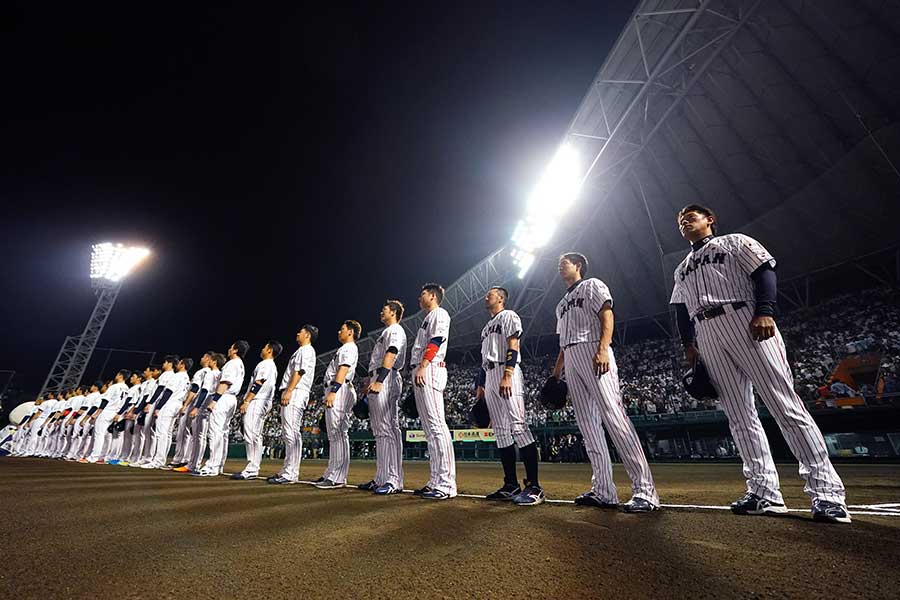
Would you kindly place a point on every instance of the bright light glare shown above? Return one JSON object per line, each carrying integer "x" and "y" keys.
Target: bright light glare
{"x": 555, "y": 192}
{"x": 113, "y": 262}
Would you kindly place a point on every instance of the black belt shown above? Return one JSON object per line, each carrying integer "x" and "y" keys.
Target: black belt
{"x": 490, "y": 366}
{"x": 717, "y": 311}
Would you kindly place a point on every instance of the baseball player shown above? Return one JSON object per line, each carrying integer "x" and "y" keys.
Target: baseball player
{"x": 109, "y": 407}
{"x": 584, "y": 322}
{"x": 429, "y": 381}
{"x": 220, "y": 407}
{"x": 502, "y": 385}
{"x": 257, "y": 404}
{"x": 78, "y": 420}
{"x": 166, "y": 411}
{"x": 296, "y": 384}
{"x": 339, "y": 400}
{"x": 383, "y": 392}
{"x": 121, "y": 443}
{"x": 21, "y": 436}
{"x": 147, "y": 416}
{"x": 184, "y": 434}
{"x": 725, "y": 299}
{"x": 135, "y": 415}
{"x": 48, "y": 436}
{"x": 199, "y": 423}
{"x": 36, "y": 424}
{"x": 87, "y": 425}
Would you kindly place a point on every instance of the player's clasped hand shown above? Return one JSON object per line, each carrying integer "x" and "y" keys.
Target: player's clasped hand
{"x": 329, "y": 400}
{"x": 286, "y": 398}
{"x": 244, "y": 406}
{"x": 601, "y": 361}
{"x": 374, "y": 387}
{"x": 762, "y": 328}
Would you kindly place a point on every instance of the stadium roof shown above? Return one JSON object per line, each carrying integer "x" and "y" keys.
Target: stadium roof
{"x": 781, "y": 115}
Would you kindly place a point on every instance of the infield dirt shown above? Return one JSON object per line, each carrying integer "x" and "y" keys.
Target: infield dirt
{"x": 100, "y": 531}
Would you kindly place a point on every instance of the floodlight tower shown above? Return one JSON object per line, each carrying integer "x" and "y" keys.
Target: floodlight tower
{"x": 110, "y": 264}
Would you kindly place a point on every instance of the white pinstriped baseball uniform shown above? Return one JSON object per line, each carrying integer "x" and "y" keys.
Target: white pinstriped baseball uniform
{"x": 384, "y": 408}
{"x": 598, "y": 400}
{"x": 141, "y": 432}
{"x": 164, "y": 424}
{"x": 121, "y": 445}
{"x": 220, "y": 418}
{"x": 81, "y": 433}
{"x": 717, "y": 275}
{"x": 200, "y": 424}
{"x": 430, "y": 401}
{"x": 20, "y": 438}
{"x": 148, "y": 431}
{"x": 115, "y": 397}
{"x": 337, "y": 418}
{"x": 35, "y": 434}
{"x": 255, "y": 415}
{"x": 184, "y": 435}
{"x": 303, "y": 359}
{"x": 507, "y": 414}
{"x": 68, "y": 431}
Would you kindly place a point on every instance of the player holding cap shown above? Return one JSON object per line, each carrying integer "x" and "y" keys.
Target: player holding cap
{"x": 257, "y": 404}
{"x": 110, "y": 404}
{"x": 199, "y": 417}
{"x": 121, "y": 444}
{"x": 339, "y": 400}
{"x": 147, "y": 416}
{"x": 503, "y": 388}
{"x": 584, "y": 322}
{"x": 166, "y": 412}
{"x": 183, "y": 434}
{"x": 136, "y": 415}
{"x": 725, "y": 299}
{"x": 220, "y": 407}
{"x": 430, "y": 379}
{"x": 383, "y": 393}
{"x": 296, "y": 384}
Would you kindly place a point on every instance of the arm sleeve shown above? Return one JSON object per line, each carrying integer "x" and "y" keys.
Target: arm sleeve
{"x": 765, "y": 290}
{"x": 163, "y": 398}
{"x": 685, "y": 325}
{"x": 201, "y": 396}
{"x": 156, "y": 394}
{"x": 103, "y": 403}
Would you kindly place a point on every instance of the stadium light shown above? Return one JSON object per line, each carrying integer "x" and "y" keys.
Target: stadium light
{"x": 555, "y": 192}
{"x": 112, "y": 262}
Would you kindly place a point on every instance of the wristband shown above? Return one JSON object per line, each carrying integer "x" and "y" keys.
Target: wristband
{"x": 512, "y": 357}
{"x": 381, "y": 374}
{"x": 335, "y": 387}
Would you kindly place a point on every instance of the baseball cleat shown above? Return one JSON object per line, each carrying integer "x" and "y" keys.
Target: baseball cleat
{"x": 751, "y": 504}
{"x": 240, "y": 477}
{"x": 181, "y": 470}
{"x": 327, "y": 484}
{"x": 639, "y": 505}
{"x": 112, "y": 462}
{"x": 83, "y": 461}
{"x": 166, "y": 468}
{"x": 368, "y": 486}
{"x": 421, "y": 491}
{"x": 148, "y": 466}
{"x": 532, "y": 495}
{"x": 591, "y": 499}
{"x": 386, "y": 489}
{"x": 101, "y": 462}
{"x": 507, "y": 492}
{"x": 436, "y": 495}
{"x": 279, "y": 480}
{"x": 829, "y": 512}
{"x": 319, "y": 480}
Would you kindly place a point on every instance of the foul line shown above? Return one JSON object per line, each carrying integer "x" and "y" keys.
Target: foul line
{"x": 878, "y": 510}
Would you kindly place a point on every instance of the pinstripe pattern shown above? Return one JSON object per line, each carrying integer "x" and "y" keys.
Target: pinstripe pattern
{"x": 337, "y": 422}
{"x": 162, "y": 436}
{"x": 739, "y": 365}
{"x": 219, "y": 421}
{"x": 199, "y": 437}
{"x": 292, "y": 432}
{"x": 254, "y": 418}
{"x": 182, "y": 439}
{"x": 430, "y": 404}
{"x": 384, "y": 415}
{"x": 598, "y": 403}
{"x": 507, "y": 414}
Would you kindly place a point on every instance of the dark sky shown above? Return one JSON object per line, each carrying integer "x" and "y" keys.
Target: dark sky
{"x": 284, "y": 165}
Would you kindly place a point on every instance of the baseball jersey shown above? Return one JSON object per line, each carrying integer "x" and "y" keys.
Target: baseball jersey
{"x": 76, "y": 403}
{"x": 577, "y": 313}
{"x": 494, "y": 337}
{"x": 47, "y": 409}
{"x": 390, "y": 336}
{"x": 348, "y": 355}
{"x": 164, "y": 379}
{"x": 180, "y": 383}
{"x": 200, "y": 376}
{"x": 91, "y": 400}
{"x": 436, "y": 324}
{"x": 116, "y": 397}
{"x": 134, "y": 394}
{"x": 233, "y": 373}
{"x": 267, "y": 372}
{"x": 718, "y": 273}
{"x": 148, "y": 388}
{"x": 303, "y": 359}
{"x": 211, "y": 381}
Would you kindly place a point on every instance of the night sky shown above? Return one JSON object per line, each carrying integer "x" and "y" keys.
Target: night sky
{"x": 285, "y": 166}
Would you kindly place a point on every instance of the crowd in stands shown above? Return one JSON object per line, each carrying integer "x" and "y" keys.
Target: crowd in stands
{"x": 650, "y": 370}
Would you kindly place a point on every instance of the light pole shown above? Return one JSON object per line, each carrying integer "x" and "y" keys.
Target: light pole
{"x": 110, "y": 264}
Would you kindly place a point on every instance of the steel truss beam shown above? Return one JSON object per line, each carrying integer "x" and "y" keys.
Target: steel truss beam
{"x": 73, "y": 356}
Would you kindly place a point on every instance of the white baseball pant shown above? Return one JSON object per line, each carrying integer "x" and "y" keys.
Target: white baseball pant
{"x": 198, "y": 441}
{"x": 102, "y": 438}
{"x": 337, "y": 423}
{"x": 292, "y": 433}
{"x": 737, "y": 365}
{"x": 254, "y": 420}
{"x": 430, "y": 404}
{"x": 182, "y": 438}
{"x": 598, "y": 403}
{"x": 384, "y": 419}
{"x": 163, "y": 426}
{"x": 507, "y": 414}
{"x": 219, "y": 422}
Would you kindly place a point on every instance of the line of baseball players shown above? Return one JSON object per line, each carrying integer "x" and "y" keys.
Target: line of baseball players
{"x": 724, "y": 296}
